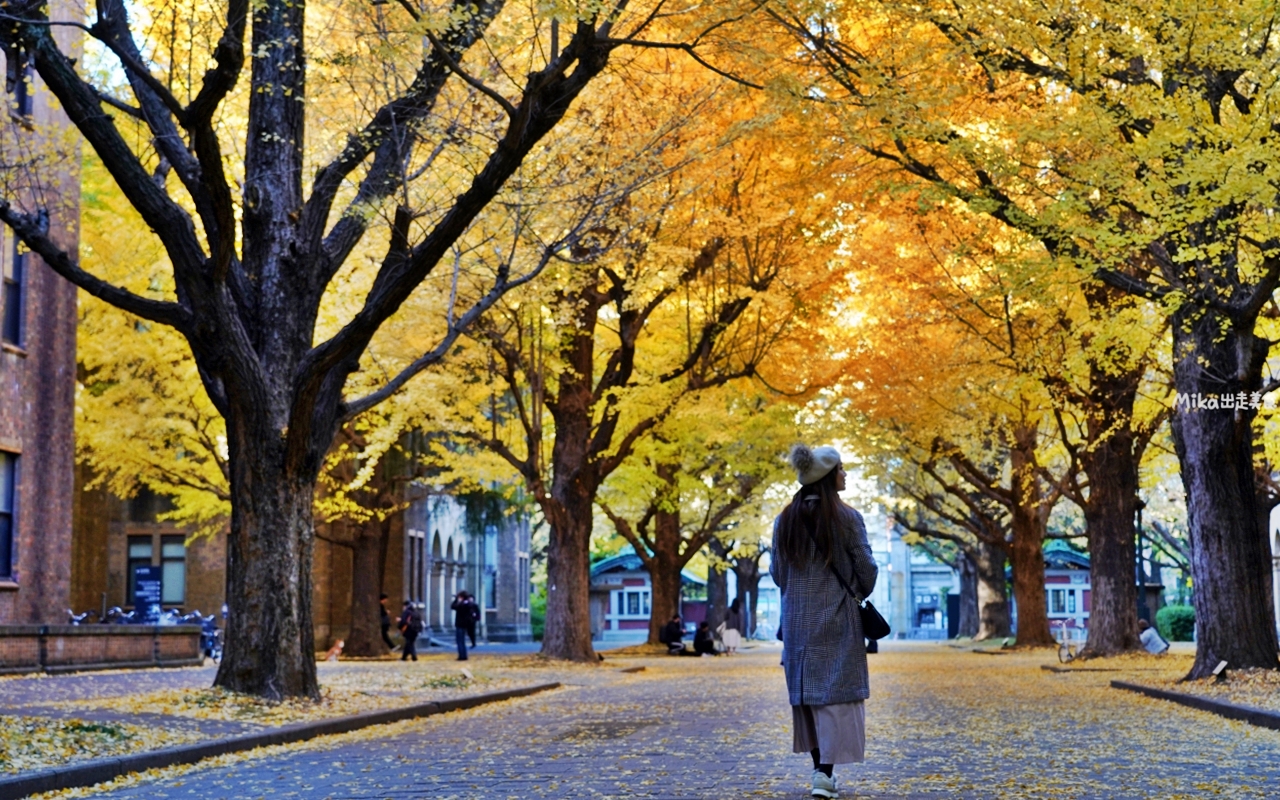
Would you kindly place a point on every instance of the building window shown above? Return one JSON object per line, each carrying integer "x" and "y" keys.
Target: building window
{"x": 633, "y": 604}
{"x": 1071, "y": 602}
{"x": 173, "y": 569}
{"x": 11, "y": 305}
{"x": 8, "y": 508}
{"x": 139, "y": 556}
{"x": 523, "y": 585}
{"x": 1058, "y": 601}
{"x": 417, "y": 566}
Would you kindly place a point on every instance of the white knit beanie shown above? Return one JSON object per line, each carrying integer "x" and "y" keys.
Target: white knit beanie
{"x": 813, "y": 465}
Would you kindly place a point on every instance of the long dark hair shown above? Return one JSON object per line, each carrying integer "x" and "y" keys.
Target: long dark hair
{"x": 816, "y": 507}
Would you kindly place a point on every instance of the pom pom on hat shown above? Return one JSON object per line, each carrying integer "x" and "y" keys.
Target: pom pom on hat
{"x": 813, "y": 465}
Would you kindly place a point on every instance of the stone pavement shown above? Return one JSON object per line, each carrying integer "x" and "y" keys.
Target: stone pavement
{"x": 941, "y": 724}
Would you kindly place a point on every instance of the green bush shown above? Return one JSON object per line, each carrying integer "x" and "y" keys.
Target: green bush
{"x": 538, "y": 613}
{"x": 1176, "y": 623}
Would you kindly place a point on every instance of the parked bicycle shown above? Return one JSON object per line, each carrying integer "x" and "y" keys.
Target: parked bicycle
{"x": 118, "y": 616}
{"x": 210, "y": 633}
{"x": 1068, "y": 647}
{"x": 81, "y": 619}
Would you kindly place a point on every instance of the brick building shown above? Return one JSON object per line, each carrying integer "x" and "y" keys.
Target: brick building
{"x": 112, "y": 535}
{"x": 37, "y": 385}
{"x": 431, "y": 554}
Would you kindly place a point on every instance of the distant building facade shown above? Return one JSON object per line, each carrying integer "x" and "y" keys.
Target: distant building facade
{"x": 430, "y": 557}
{"x": 444, "y": 554}
{"x": 113, "y": 535}
{"x": 621, "y": 596}
{"x": 37, "y": 387}
{"x": 1068, "y": 588}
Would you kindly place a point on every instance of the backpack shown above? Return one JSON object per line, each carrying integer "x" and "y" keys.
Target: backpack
{"x": 415, "y": 621}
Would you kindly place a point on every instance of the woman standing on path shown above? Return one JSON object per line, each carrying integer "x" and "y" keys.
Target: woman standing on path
{"x": 734, "y": 629}
{"x": 824, "y": 653}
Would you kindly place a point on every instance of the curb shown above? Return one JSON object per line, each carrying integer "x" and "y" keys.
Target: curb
{"x": 105, "y": 769}
{"x": 1254, "y": 716}
{"x": 1055, "y": 668}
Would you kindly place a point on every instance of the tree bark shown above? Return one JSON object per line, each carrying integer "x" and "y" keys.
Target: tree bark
{"x": 717, "y": 586}
{"x": 747, "y": 570}
{"x": 665, "y": 579}
{"x": 967, "y": 566}
{"x": 1027, "y": 548}
{"x": 567, "y": 634}
{"x": 368, "y": 562}
{"x": 1230, "y": 554}
{"x": 994, "y": 619}
{"x": 1110, "y": 461}
{"x": 667, "y": 561}
{"x": 269, "y": 556}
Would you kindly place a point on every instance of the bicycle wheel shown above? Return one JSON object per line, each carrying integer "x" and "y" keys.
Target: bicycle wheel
{"x": 1066, "y": 653}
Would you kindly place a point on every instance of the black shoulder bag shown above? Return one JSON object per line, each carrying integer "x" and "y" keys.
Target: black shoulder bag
{"x": 874, "y": 626}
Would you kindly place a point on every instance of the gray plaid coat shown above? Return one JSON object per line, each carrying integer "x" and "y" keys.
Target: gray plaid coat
{"x": 824, "y": 652}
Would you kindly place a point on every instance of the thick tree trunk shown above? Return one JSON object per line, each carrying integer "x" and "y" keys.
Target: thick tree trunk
{"x": 667, "y": 560}
{"x": 992, "y": 589}
{"x": 747, "y": 571}
{"x": 1110, "y": 461}
{"x": 568, "y": 627}
{"x": 1027, "y": 549}
{"x": 270, "y": 648}
{"x": 1230, "y": 554}
{"x": 664, "y": 575}
{"x": 1111, "y": 464}
{"x": 717, "y": 586}
{"x": 967, "y": 625}
{"x": 368, "y": 560}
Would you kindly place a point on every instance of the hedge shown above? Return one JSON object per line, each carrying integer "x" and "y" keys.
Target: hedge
{"x": 1176, "y": 623}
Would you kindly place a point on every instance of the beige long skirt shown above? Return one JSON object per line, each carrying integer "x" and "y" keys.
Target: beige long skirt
{"x": 839, "y": 732}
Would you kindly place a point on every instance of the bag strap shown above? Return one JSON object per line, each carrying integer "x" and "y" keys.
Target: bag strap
{"x": 832, "y": 566}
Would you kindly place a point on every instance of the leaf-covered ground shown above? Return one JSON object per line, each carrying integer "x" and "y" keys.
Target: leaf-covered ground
{"x": 103, "y": 717}
{"x": 367, "y": 687}
{"x": 28, "y": 743}
{"x": 941, "y": 723}
{"x": 1259, "y": 688}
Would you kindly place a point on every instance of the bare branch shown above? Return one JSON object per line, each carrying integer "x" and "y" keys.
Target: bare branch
{"x": 33, "y": 230}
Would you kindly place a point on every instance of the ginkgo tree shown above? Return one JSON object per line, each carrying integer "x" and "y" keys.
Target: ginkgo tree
{"x": 699, "y": 281}
{"x": 260, "y": 177}
{"x": 700, "y": 477}
{"x": 143, "y": 418}
{"x": 1133, "y": 142}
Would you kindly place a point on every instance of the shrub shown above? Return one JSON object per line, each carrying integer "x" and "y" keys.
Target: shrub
{"x": 538, "y": 613}
{"x": 1176, "y": 623}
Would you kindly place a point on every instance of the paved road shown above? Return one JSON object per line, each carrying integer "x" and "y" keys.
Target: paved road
{"x": 942, "y": 723}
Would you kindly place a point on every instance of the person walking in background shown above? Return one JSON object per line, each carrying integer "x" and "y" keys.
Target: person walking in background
{"x": 464, "y": 621}
{"x": 820, "y": 547}
{"x": 384, "y": 620}
{"x": 410, "y": 626}
{"x": 734, "y": 627}
{"x": 475, "y": 618}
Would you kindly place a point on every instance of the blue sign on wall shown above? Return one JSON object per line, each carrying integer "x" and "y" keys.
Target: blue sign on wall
{"x": 146, "y": 592}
